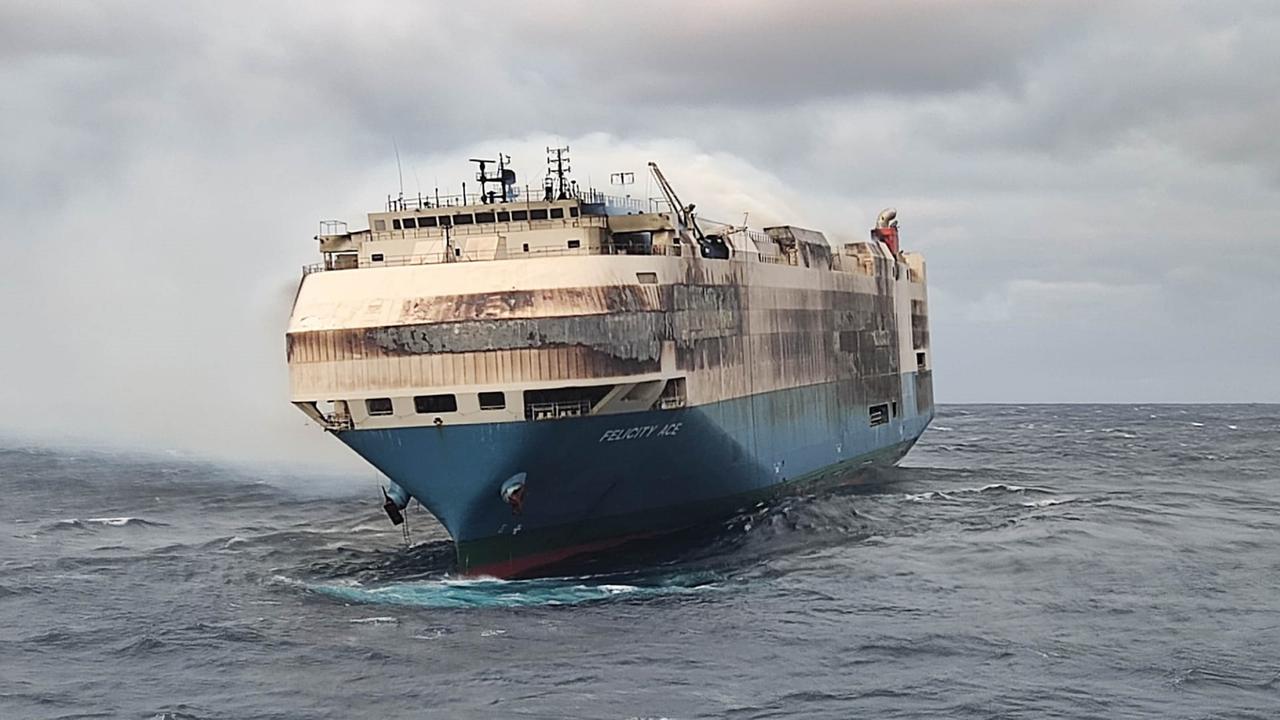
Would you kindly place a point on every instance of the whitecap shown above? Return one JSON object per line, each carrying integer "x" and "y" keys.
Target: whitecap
{"x": 1004, "y": 487}
{"x": 488, "y": 592}
{"x": 1047, "y": 503}
{"x": 931, "y": 495}
{"x": 1196, "y": 424}
{"x": 616, "y": 589}
{"x": 379, "y": 620}
{"x": 492, "y": 633}
{"x": 113, "y": 521}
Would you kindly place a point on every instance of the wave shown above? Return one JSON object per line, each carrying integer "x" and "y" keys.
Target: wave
{"x": 93, "y": 524}
{"x": 1048, "y": 503}
{"x": 991, "y": 488}
{"x": 482, "y": 593}
{"x": 125, "y": 522}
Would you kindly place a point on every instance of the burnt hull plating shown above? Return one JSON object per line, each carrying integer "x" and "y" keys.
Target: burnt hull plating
{"x": 592, "y": 482}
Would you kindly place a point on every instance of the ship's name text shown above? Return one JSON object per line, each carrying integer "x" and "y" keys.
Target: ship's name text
{"x": 640, "y": 432}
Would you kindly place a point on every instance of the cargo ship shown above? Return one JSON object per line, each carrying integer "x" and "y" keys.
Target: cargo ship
{"x": 553, "y": 371}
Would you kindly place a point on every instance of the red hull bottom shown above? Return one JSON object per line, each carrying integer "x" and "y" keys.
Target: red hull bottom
{"x": 526, "y": 565}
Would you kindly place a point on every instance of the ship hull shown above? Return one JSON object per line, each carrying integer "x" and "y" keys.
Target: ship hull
{"x": 596, "y": 481}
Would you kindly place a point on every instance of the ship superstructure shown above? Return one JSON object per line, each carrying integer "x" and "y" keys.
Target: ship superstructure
{"x": 551, "y": 372}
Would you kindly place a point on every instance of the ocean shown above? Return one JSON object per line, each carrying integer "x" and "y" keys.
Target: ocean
{"x": 1072, "y": 561}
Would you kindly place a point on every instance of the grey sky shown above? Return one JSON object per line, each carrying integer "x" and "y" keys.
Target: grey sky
{"x": 1095, "y": 184}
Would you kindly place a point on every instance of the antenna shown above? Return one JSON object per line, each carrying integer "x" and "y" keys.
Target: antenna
{"x": 399, "y": 171}
{"x": 557, "y": 171}
{"x": 504, "y": 179}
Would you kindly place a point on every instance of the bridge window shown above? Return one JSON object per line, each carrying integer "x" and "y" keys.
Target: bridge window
{"x": 395, "y": 223}
{"x": 504, "y": 216}
{"x": 485, "y": 217}
{"x": 519, "y": 215}
{"x": 575, "y": 244}
{"x": 409, "y": 223}
{"x": 573, "y": 211}
{"x": 537, "y": 214}
{"x": 492, "y": 400}
{"x": 378, "y": 406}
{"x": 445, "y": 221}
{"x": 424, "y": 404}
{"x": 557, "y": 213}
{"x": 463, "y": 219}
{"x": 425, "y": 222}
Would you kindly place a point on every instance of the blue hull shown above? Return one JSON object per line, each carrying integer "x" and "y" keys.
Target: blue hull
{"x": 592, "y": 481}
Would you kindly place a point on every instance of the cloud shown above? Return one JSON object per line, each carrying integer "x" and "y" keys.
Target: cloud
{"x": 1094, "y": 184}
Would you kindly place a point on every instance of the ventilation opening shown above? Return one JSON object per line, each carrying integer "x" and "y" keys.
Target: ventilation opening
{"x": 895, "y": 408}
{"x": 878, "y": 414}
{"x": 493, "y": 401}
{"x": 919, "y": 359}
{"x": 425, "y": 404}
{"x": 562, "y": 402}
{"x": 647, "y": 278}
{"x": 673, "y": 395}
{"x": 378, "y": 406}
{"x": 574, "y": 244}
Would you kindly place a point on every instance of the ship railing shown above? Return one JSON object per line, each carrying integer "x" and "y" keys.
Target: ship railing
{"x": 557, "y": 410}
{"x": 338, "y": 422}
{"x": 459, "y": 255}
{"x": 741, "y": 255}
{"x": 522, "y": 194}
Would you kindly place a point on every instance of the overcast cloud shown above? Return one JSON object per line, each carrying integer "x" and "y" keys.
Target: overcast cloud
{"x": 1095, "y": 184}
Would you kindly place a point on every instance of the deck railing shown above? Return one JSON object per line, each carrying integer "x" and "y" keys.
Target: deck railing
{"x": 524, "y": 194}
{"x": 557, "y": 410}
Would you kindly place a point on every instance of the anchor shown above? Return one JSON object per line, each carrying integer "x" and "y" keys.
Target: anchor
{"x": 395, "y": 500}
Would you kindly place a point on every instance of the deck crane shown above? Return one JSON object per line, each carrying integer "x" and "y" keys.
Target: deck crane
{"x": 711, "y": 246}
